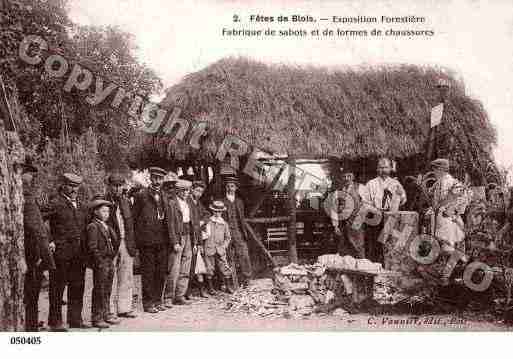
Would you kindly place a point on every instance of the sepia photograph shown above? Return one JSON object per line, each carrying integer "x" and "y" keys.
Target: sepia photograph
{"x": 255, "y": 166}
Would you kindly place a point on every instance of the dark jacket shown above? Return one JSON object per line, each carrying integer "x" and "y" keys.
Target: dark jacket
{"x": 149, "y": 229}
{"x": 36, "y": 237}
{"x": 198, "y": 214}
{"x": 100, "y": 241}
{"x": 241, "y": 220}
{"x": 175, "y": 223}
{"x": 67, "y": 227}
{"x": 126, "y": 212}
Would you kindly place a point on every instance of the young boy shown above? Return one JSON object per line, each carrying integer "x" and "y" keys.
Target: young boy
{"x": 101, "y": 240}
{"x": 214, "y": 247}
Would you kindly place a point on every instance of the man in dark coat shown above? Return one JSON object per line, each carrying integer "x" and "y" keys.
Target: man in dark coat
{"x": 37, "y": 250}
{"x": 234, "y": 215}
{"x": 122, "y": 222}
{"x": 152, "y": 240}
{"x": 67, "y": 224}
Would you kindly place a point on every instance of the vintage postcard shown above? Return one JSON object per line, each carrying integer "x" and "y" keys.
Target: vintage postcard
{"x": 255, "y": 166}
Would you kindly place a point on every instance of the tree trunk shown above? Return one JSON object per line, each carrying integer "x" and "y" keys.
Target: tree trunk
{"x": 12, "y": 256}
{"x": 292, "y": 229}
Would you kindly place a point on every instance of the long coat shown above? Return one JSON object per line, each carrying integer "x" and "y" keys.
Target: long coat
{"x": 198, "y": 214}
{"x": 149, "y": 229}
{"x": 126, "y": 214}
{"x": 67, "y": 227}
{"x": 36, "y": 236}
{"x": 239, "y": 208}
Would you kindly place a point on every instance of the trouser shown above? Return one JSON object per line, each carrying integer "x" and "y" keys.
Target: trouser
{"x": 103, "y": 273}
{"x": 71, "y": 273}
{"x": 351, "y": 241}
{"x": 123, "y": 282}
{"x": 153, "y": 273}
{"x": 373, "y": 248}
{"x": 217, "y": 261}
{"x": 240, "y": 248}
{"x": 32, "y": 288}
{"x": 179, "y": 271}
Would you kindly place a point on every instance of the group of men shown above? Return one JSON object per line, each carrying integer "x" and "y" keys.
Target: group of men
{"x": 385, "y": 193}
{"x": 163, "y": 224}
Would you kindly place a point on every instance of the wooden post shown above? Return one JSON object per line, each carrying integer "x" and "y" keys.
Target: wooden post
{"x": 252, "y": 212}
{"x": 291, "y": 190}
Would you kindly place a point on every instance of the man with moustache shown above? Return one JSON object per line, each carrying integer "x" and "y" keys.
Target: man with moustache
{"x": 67, "y": 218}
{"x": 121, "y": 220}
{"x": 380, "y": 193}
{"x": 152, "y": 239}
{"x": 234, "y": 216}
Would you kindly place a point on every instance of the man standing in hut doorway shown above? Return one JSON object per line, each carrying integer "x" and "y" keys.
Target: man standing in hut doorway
{"x": 152, "y": 240}
{"x": 385, "y": 194}
{"x": 234, "y": 215}
{"x": 350, "y": 240}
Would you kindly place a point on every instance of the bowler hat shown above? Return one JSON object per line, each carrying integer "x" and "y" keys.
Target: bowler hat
{"x": 157, "y": 171}
{"x": 71, "y": 179}
{"x": 217, "y": 206}
{"x": 440, "y": 163}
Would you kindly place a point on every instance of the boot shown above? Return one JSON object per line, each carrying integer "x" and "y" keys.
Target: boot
{"x": 202, "y": 290}
{"x": 211, "y": 290}
{"x": 228, "y": 286}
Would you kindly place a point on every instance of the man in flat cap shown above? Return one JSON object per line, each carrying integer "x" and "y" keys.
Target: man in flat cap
{"x": 347, "y": 201}
{"x": 38, "y": 257}
{"x": 122, "y": 221}
{"x": 67, "y": 218}
{"x": 181, "y": 233}
{"x": 152, "y": 240}
{"x": 235, "y": 217}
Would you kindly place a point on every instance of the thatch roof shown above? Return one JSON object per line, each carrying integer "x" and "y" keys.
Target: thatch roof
{"x": 346, "y": 112}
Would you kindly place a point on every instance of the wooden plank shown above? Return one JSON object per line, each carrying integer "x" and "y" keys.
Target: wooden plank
{"x": 291, "y": 191}
{"x": 256, "y": 238}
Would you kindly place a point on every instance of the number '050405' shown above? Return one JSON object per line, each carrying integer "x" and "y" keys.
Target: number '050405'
{"x": 25, "y": 340}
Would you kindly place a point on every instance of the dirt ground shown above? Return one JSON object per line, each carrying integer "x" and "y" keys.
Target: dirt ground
{"x": 210, "y": 315}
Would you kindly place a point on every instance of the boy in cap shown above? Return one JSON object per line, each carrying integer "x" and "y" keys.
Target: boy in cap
{"x": 68, "y": 221}
{"x": 152, "y": 240}
{"x": 101, "y": 241}
{"x": 214, "y": 247}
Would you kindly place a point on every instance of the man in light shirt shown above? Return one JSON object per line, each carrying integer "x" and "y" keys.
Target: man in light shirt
{"x": 383, "y": 193}
{"x": 181, "y": 234}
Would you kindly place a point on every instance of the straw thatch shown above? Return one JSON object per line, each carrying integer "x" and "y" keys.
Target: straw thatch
{"x": 348, "y": 113}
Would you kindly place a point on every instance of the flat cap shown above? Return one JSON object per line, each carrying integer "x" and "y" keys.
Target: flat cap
{"x": 157, "y": 171}
{"x": 183, "y": 184}
{"x": 116, "y": 179}
{"x": 441, "y": 163}
{"x": 95, "y": 203}
{"x": 71, "y": 179}
{"x": 197, "y": 184}
{"x": 231, "y": 179}
{"x": 171, "y": 177}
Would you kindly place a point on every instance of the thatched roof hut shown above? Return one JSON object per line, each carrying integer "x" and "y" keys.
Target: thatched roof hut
{"x": 350, "y": 113}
